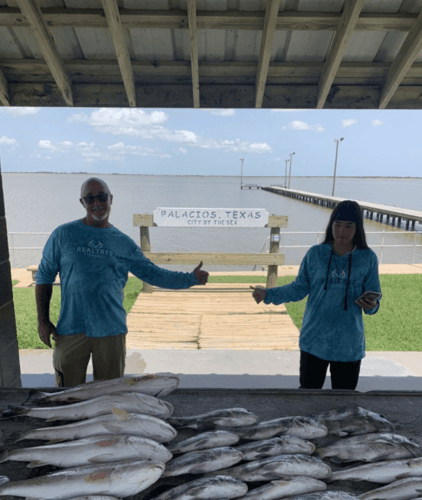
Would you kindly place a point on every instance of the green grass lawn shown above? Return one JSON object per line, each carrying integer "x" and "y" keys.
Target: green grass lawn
{"x": 396, "y": 326}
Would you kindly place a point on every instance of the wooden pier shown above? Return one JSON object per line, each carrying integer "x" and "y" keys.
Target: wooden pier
{"x": 217, "y": 316}
{"x": 250, "y": 186}
{"x": 377, "y": 211}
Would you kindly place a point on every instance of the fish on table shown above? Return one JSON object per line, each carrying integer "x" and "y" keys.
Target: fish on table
{"x": 387, "y": 471}
{"x": 206, "y": 488}
{"x": 285, "y": 488}
{"x": 227, "y": 417}
{"x": 132, "y": 402}
{"x": 403, "y": 489}
{"x": 371, "y": 448}
{"x": 203, "y": 441}
{"x": 199, "y": 462}
{"x": 154, "y": 384}
{"x": 276, "y": 446}
{"x": 352, "y": 421}
{"x": 118, "y": 422}
{"x": 120, "y": 479}
{"x": 97, "y": 449}
{"x": 278, "y": 467}
{"x": 325, "y": 495}
{"x": 302, "y": 427}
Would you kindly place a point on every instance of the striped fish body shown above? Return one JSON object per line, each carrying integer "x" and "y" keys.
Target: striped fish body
{"x": 257, "y": 450}
{"x": 132, "y": 402}
{"x": 230, "y": 417}
{"x": 120, "y": 479}
{"x": 204, "y": 441}
{"x": 120, "y": 423}
{"x": 382, "y": 472}
{"x": 325, "y": 495}
{"x": 206, "y": 488}
{"x": 158, "y": 384}
{"x": 97, "y": 449}
{"x": 404, "y": 489}
{"x": 199, "y": 462}
{"x": 302, "y": 427}
{"x": 285, "y": 488}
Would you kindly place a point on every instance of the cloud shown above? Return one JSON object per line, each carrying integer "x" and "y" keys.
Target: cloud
{"x": 18, "y": 112}
{"x": 7, "y": 141}
{"x": 349, "y": 122}
{"x": 183, "y": 150}
{"x": 299, "y": 125}
{"x": 124, "y": 149}
{"x": 44, "y": 144}
{"x": 138, "y": 123}
{"x": 222, "y": 112}
{"x": 377, "y": 123}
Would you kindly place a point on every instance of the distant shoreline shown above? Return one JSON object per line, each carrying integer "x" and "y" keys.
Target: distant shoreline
{"x": 225, "y": 176}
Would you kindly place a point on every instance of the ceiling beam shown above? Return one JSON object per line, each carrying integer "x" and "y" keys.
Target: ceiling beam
{"x": 402, "y": 62}
{"x": 44, "y": 40}
{"x": 267, "y": 39}
{"x": 347, "y": 26}
{"x": 177, "y": 19}
{"x": 114, "y": 22}
{"x": 193, "y": 38}
{"x": 4, "y": 91}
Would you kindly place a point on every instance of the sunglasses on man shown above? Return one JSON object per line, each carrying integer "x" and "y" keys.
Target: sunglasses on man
{"x": 102, "y": 198}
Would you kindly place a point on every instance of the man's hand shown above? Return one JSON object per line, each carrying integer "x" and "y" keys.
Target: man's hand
{"x": 366, "y": 304}
{"x": 258, "y": 293}
{"x": 45, "y": 330}
{"x": 201, "y": 276}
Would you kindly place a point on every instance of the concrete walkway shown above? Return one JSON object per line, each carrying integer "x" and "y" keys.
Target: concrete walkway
{"x": 228, "y": 368}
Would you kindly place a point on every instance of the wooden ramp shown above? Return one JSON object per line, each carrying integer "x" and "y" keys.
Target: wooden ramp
{"x": 213, "y": 317}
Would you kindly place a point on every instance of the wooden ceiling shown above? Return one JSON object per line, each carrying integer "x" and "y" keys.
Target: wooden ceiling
{"x": 314, "y": 54}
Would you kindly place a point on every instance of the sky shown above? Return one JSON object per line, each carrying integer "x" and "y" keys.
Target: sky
{"x": 171, "y": 141}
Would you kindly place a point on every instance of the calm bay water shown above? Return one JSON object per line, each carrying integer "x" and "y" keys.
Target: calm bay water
{"x": 41, "y": 202}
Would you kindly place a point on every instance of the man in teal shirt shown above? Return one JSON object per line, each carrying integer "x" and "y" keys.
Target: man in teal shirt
{"x": 93, "y": 259}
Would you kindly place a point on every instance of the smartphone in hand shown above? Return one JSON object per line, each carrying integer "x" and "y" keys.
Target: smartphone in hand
{"x": 370, "y": 295}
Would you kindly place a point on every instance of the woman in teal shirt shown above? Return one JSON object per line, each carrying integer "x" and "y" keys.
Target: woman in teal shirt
{"x": 333, "y": 275}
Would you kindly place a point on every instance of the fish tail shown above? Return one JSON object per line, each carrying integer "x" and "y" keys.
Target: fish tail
{"x": 34, "y": 396}
{"x": 13, "y": 411}
{"x": 321, "y": 452}
{"x": 4, "y": 456}
{"x": 4, "y": 479}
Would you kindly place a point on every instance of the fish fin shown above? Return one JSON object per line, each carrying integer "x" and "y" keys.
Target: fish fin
{"x": 4, "y": 479}
{"x": 122, "y": 415}
{"x": 52, "y": 419}
{"x": 36, "y": 463}
{"x": 112, "y": 428}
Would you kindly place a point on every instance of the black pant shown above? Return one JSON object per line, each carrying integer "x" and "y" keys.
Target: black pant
{"x": 313, "y": 371}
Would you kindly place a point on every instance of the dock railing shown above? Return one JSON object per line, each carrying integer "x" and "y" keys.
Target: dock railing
{"x": 319, "y": 235}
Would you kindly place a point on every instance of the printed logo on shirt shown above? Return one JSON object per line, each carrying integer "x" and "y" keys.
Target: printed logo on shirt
{"x": 94, "y": 249}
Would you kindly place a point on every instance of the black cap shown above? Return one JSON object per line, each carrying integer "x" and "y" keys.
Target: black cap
{"x": 348, "y": 211}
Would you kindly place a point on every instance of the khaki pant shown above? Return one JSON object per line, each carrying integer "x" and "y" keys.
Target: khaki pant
{"x": 72, "y": 352}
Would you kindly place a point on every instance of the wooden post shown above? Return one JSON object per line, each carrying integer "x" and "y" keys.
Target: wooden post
{"x": 274, "y": 248}
{"x": 145, "y": 247}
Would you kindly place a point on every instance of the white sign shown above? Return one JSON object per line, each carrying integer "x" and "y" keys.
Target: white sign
{"x": 211, "y": 217}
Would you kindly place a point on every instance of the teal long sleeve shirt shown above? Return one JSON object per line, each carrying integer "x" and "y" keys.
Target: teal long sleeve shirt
{"x": 94, "y": 264}
{"x": 328, "y": 331}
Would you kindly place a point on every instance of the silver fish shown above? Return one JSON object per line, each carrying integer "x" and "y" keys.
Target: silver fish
{"x": 230, "y": 417}
{"x": 371, "y": 448}
{"x": 134, "y": 402}
{"x": 203, "y": 441}
{"x": 95, "y": 497}
{"x": 404, "y": 489}
{"x": 199, "y": 462}
{"x": 381, "y": 472}
{"x": 206, "y": 488}
{"x": 116, "y": 479}
{"x": 156, "y": 384}
{"x": 285, "y": 488}
{"x": 276, "y": 446}
{"x": 353, "y": 420}
{"x": 278, "y": 467}
{"x": 302, "y": 427}
{"x": 326, "y": 495}
{"x": 97, "y": 449}
{"x": 118, "y": 422}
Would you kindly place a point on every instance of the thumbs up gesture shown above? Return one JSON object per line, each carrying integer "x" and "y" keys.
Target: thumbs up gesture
{"x": 201, "y": 276}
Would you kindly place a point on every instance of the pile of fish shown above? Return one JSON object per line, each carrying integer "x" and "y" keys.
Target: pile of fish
{"x": 120, "y": 439}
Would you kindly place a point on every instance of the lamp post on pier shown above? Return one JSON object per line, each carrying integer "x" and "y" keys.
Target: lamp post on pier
{"x": 337, "y": 141}
{"x": 285, "y": 174}
{"x": 241, "y": 173}
{"x": 290, "y": 171}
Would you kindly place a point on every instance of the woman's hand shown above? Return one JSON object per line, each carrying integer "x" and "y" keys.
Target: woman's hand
{"x": 258, "y": 293}
{"x": 366, "y": 304}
